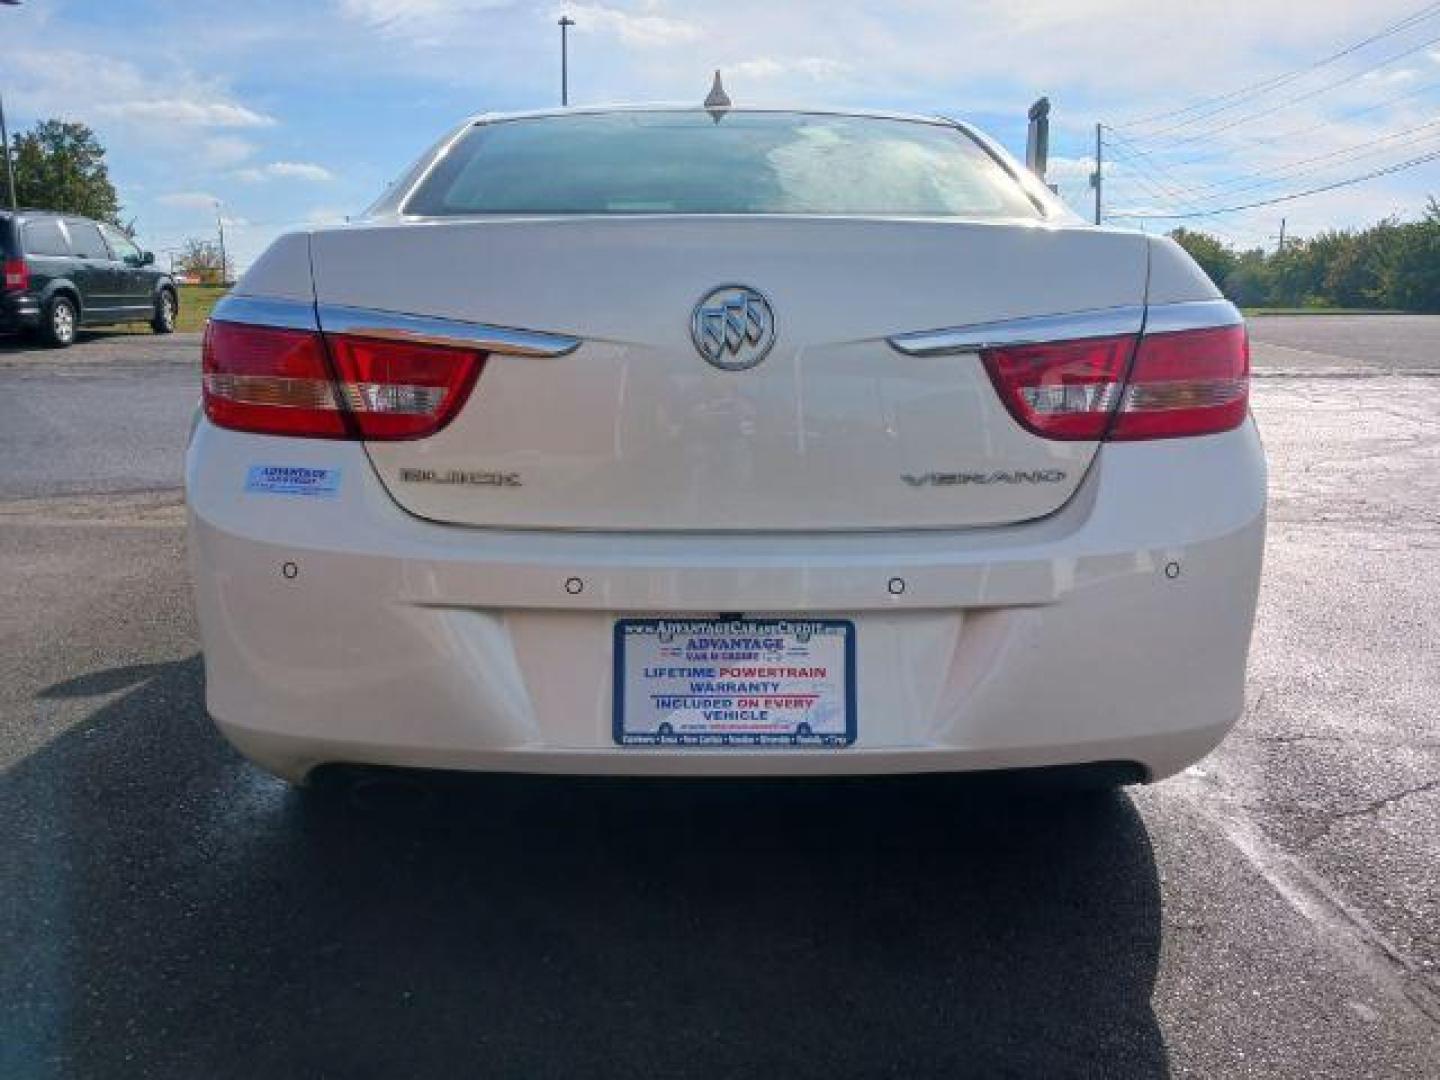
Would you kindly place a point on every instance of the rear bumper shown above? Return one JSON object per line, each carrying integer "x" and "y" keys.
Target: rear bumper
{"x": 341, "y": 629}
{"x": 19, "y": 312}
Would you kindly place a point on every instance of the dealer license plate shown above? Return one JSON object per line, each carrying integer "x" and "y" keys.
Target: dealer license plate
{"x": 752, "y": 682}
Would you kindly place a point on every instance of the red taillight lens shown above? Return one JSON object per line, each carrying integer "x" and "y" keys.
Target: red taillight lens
{"x": 269, "y": 380}
{"x": 280, "y": 382}
{"x": 1190, "y": 382}
{"x": 1063, "y": 389}
{"x": 17, "y": 275}
{"x": 400, "y": 389}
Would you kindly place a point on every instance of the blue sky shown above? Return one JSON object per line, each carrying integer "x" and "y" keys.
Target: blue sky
{"x": 298, "y": 112}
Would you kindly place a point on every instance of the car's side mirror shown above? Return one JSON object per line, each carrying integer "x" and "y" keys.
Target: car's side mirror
{"x": 147, "y": 258}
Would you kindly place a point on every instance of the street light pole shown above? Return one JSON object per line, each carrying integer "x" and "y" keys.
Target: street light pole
{"x": 5, "y": 136}
{"x": 1097, "y": 178}
{"x": 565, "y": 23}
{"x": 224, "y": 262}
{"x": 5, "y": 149}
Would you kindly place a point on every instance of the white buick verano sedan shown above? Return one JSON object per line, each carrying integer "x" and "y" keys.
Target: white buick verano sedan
{"x": 666, "y": 440}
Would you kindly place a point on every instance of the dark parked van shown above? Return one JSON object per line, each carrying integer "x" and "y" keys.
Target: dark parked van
{"x": 63, "y": 272}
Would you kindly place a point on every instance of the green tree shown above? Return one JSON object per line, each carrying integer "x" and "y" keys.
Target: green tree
{"x": 1297, "y": 274}
{"x": 1355, "y": 264}
{"x": 1389, "y": 265}
{"x": 1250, "y": 284}
{"x": 1213, "y": 255}
{"x": 1410, "y": 278}
{"x": 61, "y": 166}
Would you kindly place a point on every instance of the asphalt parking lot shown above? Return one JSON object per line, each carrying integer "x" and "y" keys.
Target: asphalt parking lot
{"x": 167, "y": 911}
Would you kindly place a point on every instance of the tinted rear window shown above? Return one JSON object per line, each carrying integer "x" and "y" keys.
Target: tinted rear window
{"x": 43, "y": 237}
{"x": 746, "y": 163}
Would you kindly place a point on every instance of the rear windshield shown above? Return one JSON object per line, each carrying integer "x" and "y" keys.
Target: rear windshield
{"x": 688, "y": 162}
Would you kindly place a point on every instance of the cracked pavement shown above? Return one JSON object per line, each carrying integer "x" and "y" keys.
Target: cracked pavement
{"x": 166, "y": 911}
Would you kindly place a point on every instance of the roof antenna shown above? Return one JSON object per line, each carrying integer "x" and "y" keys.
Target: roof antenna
{"x": 717, "y": 101}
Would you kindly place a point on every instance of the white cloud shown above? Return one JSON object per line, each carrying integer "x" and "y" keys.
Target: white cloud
{"x": 327, "y": 215}
{"x": 285, "y": 170}
{"x": 761, "y": 68}
{"x": 402, "y": 12}
{"x": 81, "y": 85}
{"x": 189, "y": 200}
{"x": 429, "y": 23}
{"x": 435, "y": 23}
{"x": 644, "y": 29}
{"x": 821, "y": 67}
{"x": 1399, "y": 75}
{"x": 1061, "y": 169}
{"x": 224, "y": 150}
{"x": 186, "y": 113}
{"x": 300, "y": 170}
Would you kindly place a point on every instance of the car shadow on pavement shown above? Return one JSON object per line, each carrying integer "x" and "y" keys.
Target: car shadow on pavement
{"x": 17, "y": 343}
{"x": 13, "y": 343}
{"x": 167, "y": 910}
{"x": 29, "y": 343}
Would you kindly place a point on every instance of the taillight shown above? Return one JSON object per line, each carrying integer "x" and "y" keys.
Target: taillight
{"x": 1189, "y": 382}
{"x": 269, "y": 380}
{"x": 1185, "y": 382}
{"x": 332, "y": 386}
{"x": 17, "y": 275}
{"x": 1062, "y": 389}
{"x": 400, "y": 389}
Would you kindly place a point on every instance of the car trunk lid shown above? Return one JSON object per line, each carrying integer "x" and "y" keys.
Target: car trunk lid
{"x": 636, "y": 430}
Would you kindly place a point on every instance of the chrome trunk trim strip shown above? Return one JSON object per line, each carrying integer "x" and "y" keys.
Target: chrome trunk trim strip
{"x": 1104, "y": 322}
{"x": 392, "y": 325}
{"x": 395, "y": 326}
{"x": 1193, "y": 315}
{"x": 266, "y": 311}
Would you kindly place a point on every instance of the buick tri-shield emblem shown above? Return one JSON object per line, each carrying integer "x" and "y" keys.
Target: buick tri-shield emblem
{"x": 733, "y": 327}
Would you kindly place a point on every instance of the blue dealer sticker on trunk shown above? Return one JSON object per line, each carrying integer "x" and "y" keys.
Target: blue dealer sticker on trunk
{"x": 293, "y": 480}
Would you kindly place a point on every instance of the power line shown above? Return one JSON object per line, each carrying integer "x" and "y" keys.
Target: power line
{"x": 1170, "y": 192}
{"x": 1389, "y": 169}
{"x": 1140, "y": 179}
{"x": 1127, "y": 179}
{"x": 1309, "y": 94}
{"x": 1255, "y": 89}
{"x": 1279, "y": 173}
{"x": 1176, "y": 196}
{"x": 1144, "y": 157}
{"x": 1272, "y": 137}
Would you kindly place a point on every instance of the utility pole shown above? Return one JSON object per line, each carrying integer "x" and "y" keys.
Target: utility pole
{"x": 224, "y": 262}
{"x": 5, "y": 136}
{"x": 1096, "y": 178}
{"x": 565, "y": 23}
{"x": 5, "y": 149}
{"x": 1280, "y": 242}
